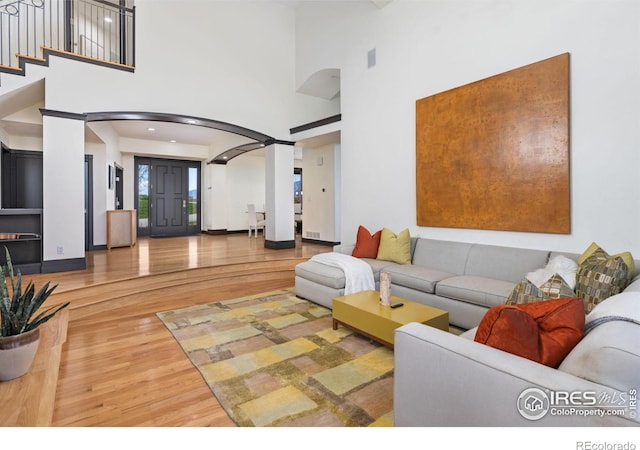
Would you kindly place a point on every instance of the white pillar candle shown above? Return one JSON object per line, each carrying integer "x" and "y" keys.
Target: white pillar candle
{"x": 385, "y": 288}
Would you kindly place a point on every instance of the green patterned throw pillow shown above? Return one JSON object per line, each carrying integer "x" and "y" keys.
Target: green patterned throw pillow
{"x": 599, "y": 277}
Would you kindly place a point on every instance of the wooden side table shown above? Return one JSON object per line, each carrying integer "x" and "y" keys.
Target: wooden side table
{"x": 121, "y": 228}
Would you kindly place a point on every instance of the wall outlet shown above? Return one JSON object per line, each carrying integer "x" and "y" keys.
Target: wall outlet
{"x": 60, "y": 250}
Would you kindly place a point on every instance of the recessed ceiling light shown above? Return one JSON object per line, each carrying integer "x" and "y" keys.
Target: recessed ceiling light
{"x": 224, "y": 157}
{"x": 151, "y": 129}
{"x": 173, "y": 141}
{"x": 108, "y": 19}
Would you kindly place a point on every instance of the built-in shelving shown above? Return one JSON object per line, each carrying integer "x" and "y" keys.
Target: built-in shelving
{"x": 21, "y": 234}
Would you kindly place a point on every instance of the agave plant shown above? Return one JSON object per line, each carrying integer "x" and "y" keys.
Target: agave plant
{"x": 18, "y": 309}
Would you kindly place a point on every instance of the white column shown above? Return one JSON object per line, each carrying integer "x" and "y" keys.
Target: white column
{"x": 280, "y": 232}
{"x": 63, "y": 192}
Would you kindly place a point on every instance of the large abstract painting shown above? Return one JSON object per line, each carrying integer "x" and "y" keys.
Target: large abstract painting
{"x": 494, "y": 154}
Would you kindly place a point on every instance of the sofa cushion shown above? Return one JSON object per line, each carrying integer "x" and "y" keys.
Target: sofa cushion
{"x": 377, "y": 266}
{"x": 345, "y": 249}
{"x": 634, "y": 286}
{"x": 609, "y": 353}
{"x": 470, "y": 334}
{"x": 600, "y": 276}
{"x": 626, "y": 305}
{"x": 395, "y": 248}
{"x": 503, "y": 263}
{"x": 527, "y": 292}
{"x": 416, "y": 277}
{"x": 477, "y": 290}
{"x": 366, "y": 243}
{"x": 544, "y": 332}
{"x": 445, "y": 256}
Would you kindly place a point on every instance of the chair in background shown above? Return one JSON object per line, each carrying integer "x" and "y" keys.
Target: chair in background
{"x": 254, "y": 222}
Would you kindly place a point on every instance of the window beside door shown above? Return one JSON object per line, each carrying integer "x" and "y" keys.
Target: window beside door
{"x": 142, "y": 197}
{"x": 194, "y": 194}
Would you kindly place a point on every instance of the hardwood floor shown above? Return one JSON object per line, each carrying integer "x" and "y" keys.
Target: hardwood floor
{"x": 120, "y": 366}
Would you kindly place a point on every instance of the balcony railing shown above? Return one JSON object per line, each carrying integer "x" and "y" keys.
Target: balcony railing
{"x": 95, "y": 29}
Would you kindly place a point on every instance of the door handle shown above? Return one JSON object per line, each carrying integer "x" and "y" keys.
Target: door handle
{"x": 184, "y": 203}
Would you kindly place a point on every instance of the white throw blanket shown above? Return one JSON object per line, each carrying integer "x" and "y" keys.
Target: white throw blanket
{"x": 560, "y": 265}
{"x": 357, "y": 273}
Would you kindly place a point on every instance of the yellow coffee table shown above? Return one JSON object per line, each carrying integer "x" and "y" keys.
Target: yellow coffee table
{"x": 364, "y": 313}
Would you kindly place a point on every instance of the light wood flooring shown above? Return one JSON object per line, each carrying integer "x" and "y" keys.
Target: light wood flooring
{"x": 120, "y": 366}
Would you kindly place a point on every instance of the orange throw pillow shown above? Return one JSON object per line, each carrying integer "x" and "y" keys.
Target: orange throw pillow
{"x": 366, "y": 243}
{"x": 544, "y": 332}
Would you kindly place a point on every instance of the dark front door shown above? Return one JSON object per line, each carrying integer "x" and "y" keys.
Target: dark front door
{"x": 169, "y": 198}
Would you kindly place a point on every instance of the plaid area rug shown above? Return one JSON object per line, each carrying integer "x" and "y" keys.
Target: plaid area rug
{"x": 274, "y": 360}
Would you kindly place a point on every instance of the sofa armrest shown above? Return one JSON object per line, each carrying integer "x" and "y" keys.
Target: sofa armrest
{"x": 443, "y": 380}
{"x": 346, "y": 249}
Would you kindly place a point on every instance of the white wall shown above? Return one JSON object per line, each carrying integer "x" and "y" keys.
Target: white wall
{"x": 245, "y": 184}
{"x": 111, "y": 155}
{"x": 321, "y": 192}
{"x": 29, "y": 116}
{"x": 5, "y": 137}
{"x": 426, "y": 47}
{"x": 320, "y": 34}
{"x": 24, "y": 143}
{"x": 63, "y": 192}
{"x": 228, "y": 61}
{"x": 158, "y": 149}
{"x": 337, "y": 190}
{"x": 215, "y": 196}
{"x": 130, "y": 180}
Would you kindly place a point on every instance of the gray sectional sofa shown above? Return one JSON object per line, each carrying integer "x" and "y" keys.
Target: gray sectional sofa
{"x": 441, "y": 379}
{"x": 464, "y": 279}
{"x": 445, "y": 380}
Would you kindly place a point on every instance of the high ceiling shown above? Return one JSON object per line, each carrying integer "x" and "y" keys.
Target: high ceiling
{"x": 19, "y": 111}
{"x": 20, "y": 116}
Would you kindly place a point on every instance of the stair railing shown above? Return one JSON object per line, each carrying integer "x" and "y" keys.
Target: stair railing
{"x": 95, "y": 29}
